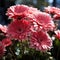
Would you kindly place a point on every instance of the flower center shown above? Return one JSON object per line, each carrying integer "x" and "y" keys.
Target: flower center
{"x": 19, "y": 17}
{"x": 20, "y": 31}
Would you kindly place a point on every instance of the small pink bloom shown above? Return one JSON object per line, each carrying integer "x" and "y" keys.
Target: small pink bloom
{"x": 40, "y": 41}
{"x": 19, "y": 29}
{"x": 6, "y": 42}
{"x": 3, "y": 28}
{"x": 52, "y": 10}
{"x": 57, "y": 32}
{"x": 56, "y": 16}
{"x": 45, "y": 21}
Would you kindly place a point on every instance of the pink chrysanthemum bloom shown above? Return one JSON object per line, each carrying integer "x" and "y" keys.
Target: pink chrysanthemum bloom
{"x": 3, "y": 28}
{"x": 45, "y": 21}
{"x": 55, "y": 11}
{"x": 52, "y": 10}
{"x": 40, "y": 41}
{"x": 17, "y": 11}
{"x": 56, "y": 16}
{"x": 1, "y": 49}
{"x": 57, "y": 32}
{"x": 19, "y": 29}
{"x": 6, "y": 42}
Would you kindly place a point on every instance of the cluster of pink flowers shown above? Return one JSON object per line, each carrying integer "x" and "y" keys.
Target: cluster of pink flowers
{"x": 4, "y": 40}
{"x": 30, "y": 24}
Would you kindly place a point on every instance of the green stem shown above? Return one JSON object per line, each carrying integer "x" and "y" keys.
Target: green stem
{"x": 22, "y": 48}
{"x": 58, "y": 52}
{"x": 14, "y": 56}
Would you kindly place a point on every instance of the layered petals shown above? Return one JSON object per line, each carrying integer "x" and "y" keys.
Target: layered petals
{"x": 40, "y": 41}
{"x": 52, "y": 10}
{"x": 6, "y": 42}
{"x": 57, "y": 32}
{"x": 3, "y": 28}
{"x": 17, "y": 12}
{"x": 45, "y": 21}
{"x": 19, "y": 29}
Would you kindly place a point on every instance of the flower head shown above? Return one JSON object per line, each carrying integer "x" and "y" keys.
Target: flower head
{"x": 6, "y": 42}
{"x": 19, "y": 29}
{"x": 45, "y": 21}
{"x": 52, "y": 10}
{"x": 57, "y": 32}
{"x": 17, "y": 11}
{"x": 3, "y": 28}
{"x": 40, "y": 41}
{"x": 56, "y": 16}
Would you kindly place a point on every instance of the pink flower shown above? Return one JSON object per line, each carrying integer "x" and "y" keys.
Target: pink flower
{"x": 19, "y": 29}
{"x": 57, "y": 32}
{"x": 17, "y": 11}
{"x": 52, "y": 10}
{"x": 45, "y": 21}
{"x": 1, "y": 49}
{"x": 40, "y": 41}
{"x": 56, "y": 16}
{"x": 55, "y": 11}
{"x": 6, "y": 42}
{"x": 3, "y": 28}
